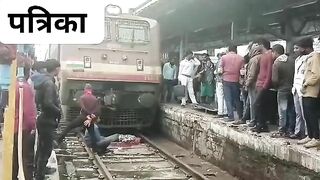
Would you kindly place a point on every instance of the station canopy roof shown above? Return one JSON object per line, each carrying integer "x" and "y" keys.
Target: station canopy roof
{"x": 211, "y": 20}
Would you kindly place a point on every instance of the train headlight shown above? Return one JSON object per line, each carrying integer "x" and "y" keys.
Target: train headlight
{"x": 140, "y": 65}
{"x": 147, "y": 100}
{"x": 112, "y": 9}
{"x": 124, "y": 58}
{"x": 104, "y": 57}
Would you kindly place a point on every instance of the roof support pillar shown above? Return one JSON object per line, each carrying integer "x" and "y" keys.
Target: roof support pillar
{"x": 181, "y": 48}
{"x": 183, "y": 45}
{"x": 232, "y": 31}
{"x": 289, "y": 36}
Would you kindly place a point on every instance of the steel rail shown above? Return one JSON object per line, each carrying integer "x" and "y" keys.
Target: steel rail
{"x": 185, "y": 166}
{"x": 97, "y": 161}
{"x": 103, "y": 170}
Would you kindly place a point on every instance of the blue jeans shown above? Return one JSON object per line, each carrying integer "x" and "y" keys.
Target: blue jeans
{"x": 252, "y": 97}
{"x": 102, "y": 142}
{"x": 300, "y": 120}
{"x": 168, "y": 89}
{"x": 231, "y": 92}
{"x": 78, "y": 122}
{"x": 286, "y": 112}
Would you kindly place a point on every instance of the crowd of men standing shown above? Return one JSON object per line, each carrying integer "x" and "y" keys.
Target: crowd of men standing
{"x": 42, "y": 112}
{"x": 265, "y": 86}
{"x": 40, "y": 96}
{"x": 39, "y": 93}
{"x": 196, "y": 73}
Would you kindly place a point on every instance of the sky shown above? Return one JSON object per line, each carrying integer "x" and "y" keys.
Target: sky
{"x": 125, "y": 5}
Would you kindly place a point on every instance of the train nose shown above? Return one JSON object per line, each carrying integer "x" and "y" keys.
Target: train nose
{"x": 147, "y": 100}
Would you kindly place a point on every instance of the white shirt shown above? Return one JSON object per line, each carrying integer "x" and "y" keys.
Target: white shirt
{"x": 188, "y": 67}
{"x": 300, "y": 66}
{"x": 169, "y": 71}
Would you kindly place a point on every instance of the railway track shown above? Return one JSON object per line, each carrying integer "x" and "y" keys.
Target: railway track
{"x": 138, "y": 161}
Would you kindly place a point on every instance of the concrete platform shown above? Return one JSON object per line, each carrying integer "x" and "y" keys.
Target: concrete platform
{"x": 237, "y": 150}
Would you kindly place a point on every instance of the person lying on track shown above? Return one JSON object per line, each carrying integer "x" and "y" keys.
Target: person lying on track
{"x": 90, "y": 110}
{"x": 102, "y": 142}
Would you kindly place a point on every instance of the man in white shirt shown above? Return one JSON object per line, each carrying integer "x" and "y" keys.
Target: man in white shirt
{"x": 169, "y": 76}
{"x": 187, "y": 69}
{"x": 296, "y": 91}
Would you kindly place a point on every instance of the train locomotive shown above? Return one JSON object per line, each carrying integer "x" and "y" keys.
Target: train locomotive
{"x": 124, "y": 71}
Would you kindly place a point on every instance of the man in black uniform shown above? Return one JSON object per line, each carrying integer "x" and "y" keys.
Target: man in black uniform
{"x": 47, "y": 122}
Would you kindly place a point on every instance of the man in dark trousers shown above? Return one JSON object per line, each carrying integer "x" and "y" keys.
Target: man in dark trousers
{"x": 231, "y": 63}
{"x": 262, "y": 103}
{"x": 169, "y": 76}
{"x": 90, "y": 110}
{"x": 282, "y": 80}
{"x": 47, "y": 122}
{"x": 310, "y": 94}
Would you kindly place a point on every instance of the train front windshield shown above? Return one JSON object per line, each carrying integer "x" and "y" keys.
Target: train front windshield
{"x": 132, "y": 31}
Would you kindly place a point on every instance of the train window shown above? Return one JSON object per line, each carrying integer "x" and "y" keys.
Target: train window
{"x": 107, "y": 29}
{"x": 132, "y": 31}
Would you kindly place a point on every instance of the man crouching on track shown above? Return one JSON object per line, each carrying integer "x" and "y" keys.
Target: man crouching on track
{"x": 47, "y": 122}
{"x": 90, "y": 110}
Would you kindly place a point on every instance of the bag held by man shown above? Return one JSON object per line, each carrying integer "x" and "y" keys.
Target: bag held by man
{"x": 179, "y": 91}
